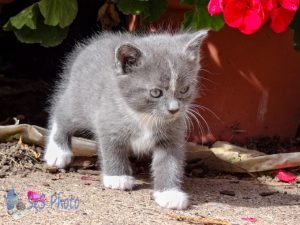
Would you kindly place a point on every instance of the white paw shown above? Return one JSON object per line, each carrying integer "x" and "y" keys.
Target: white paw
{"x": 118, "y": 182}
{"x": 55, "y": 155}
{"x": 171, "y": 199}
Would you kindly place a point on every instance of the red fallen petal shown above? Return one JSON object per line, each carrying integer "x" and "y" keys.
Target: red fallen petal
{"x": 281, "y": 18}
{"x": 215, "y": 7}
{"x": 252, "y": 22}
{"x": 234, "y": 12}
{"x": 86, "y": 178}
{"x": 291, "y": 5}
{"x": 250, "y": 219}
{"x": 286, "y": 177}
{"x": 35, "y": 197}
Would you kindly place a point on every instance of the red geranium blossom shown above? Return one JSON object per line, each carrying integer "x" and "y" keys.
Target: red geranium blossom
{"x": 215, "y": 7}
{"x": 249, "y": 15}
{"x": 246, "y": 15}
{"x": 283, "y": 15}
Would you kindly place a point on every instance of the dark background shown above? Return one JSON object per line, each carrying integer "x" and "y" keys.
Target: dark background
{"x": 28, "y": 71}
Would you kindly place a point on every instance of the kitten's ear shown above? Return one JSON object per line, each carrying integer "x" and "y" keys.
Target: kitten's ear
{"x": 191, "y": 50}
{"x": 127, "y": 57}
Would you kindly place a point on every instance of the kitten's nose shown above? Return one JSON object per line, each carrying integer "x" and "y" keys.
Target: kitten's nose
{"x": 173, "y": 111}
{"x": 173, "y": 106}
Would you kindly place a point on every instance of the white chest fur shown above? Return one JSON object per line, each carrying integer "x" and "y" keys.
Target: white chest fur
{"x": 143, "y": 141}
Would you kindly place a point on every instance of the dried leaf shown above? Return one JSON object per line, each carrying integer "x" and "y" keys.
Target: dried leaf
{"x": 197, "y": 220}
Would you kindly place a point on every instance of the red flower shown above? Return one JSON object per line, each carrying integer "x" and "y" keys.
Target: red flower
{"x": 269, "y": 5}
{"x": 215, "y": 7}
{"x": 246, "y": 15}
{"x": 283, "y": 15}
{"x": 291, "y": 5}
{"x": 249, "y": 15}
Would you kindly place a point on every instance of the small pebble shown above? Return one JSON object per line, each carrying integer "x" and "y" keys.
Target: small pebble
{"x": 227, "y": 192}
{"x": 197, "y": 172}
{"x": 46, "y": 184}
{"x": 2, "y": 174}
{"x": 267, "y": 193}
{"x": 234, "y": 181}
{"x": 72, "y": 169}
{"x": 62, "y": 170}
{"x": 23, "y": 175}
{"x": 52, "y": 169}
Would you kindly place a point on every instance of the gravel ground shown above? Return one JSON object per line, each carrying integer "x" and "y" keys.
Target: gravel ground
{"x": 98, "y": 205}
{"x": 213, "y": 195}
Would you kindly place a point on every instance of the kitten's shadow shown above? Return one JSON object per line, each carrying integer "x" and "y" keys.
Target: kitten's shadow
{"x": 141, "y": 186}
{"x": 246, "y": 193}
{"x": 144, "y": 182}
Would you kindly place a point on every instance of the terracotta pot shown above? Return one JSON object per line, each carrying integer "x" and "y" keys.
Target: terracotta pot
{"x": 251, "y": 83}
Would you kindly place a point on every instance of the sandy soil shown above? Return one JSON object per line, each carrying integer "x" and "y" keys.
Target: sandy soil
{"x": 98, "y": 205}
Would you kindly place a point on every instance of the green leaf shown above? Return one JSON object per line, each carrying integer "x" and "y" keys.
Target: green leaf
{"x": 132, "y": 7}
{"x": 295, "y": 25}
{"x": 27, "y": 17}
{"x": 200, "y": 18}
{"x": 194, "y": 2}
{"x": 58, "y": 12}
{"x": 155, "y": 9}
{"x": 297, "y": 40}
{"x": 150, "y": 10}
{"x": 47, "y": 36}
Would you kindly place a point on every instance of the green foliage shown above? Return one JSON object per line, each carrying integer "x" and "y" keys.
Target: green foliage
{"x": 150, "y": 10}
{"x": 200, "y": 18}
{"x": 45, "y": 22}
{"x": 58, "y": 12}
{"x": 296, "y": 26}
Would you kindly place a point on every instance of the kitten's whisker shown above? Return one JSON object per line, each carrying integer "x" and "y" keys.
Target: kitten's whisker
{"x": 187, "y": 125}
{"x": 198, "y": 122}
{"x": 198, "y": 114}
{"x": 207, "y": 109}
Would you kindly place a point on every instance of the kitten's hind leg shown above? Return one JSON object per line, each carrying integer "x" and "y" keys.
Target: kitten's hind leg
{"x": 115, "y": 165}
{"x": 58, "y": 150}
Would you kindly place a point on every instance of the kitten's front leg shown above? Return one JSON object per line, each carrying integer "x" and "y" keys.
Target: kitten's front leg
{"x": 116, "y": 170}
{"x": 167, "y": 167}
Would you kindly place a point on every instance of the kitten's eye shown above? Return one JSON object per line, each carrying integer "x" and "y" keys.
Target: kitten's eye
{"x": 184, "y": 90}
{"x": 156, "y": 93}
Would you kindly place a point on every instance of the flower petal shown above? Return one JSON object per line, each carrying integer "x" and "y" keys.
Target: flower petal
{"x": 215, "y": 7}
{"x": 234, "y": 12}
{"x": 269, "y": 5}
{"x": 286, "y": 177}
{"x": 291, "y": 5}
{"x": 281, "y": 18}
{"x": 252, "y": 22}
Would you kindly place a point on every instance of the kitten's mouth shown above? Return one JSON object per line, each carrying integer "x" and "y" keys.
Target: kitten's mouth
{"x": 172, "y": 117}
{"x": 150, "y": 119}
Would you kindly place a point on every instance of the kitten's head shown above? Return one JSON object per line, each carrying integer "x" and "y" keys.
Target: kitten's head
{"x": 157, "y": 74}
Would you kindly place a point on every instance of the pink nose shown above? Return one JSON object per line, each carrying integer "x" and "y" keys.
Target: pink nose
{"x": 173, "y": 111}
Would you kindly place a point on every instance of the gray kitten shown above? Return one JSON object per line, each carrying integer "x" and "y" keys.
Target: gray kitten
{"x": 133, "y": 93}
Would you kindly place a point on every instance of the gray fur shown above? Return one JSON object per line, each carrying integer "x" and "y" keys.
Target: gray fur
{"x": 105, "y": 89}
